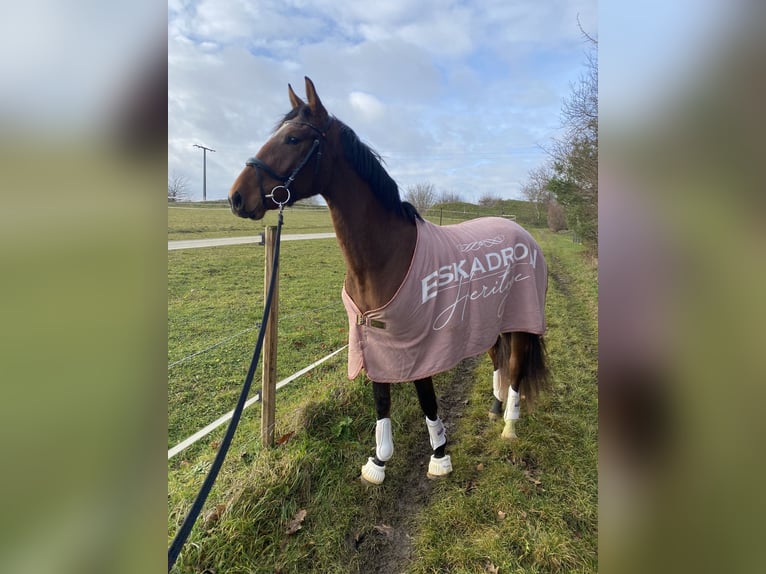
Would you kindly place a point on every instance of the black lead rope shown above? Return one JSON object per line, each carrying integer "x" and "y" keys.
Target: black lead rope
{"x": 199, "y": 502}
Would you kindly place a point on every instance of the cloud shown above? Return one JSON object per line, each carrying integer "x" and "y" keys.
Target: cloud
{"x": 437, "y": 88}
{"x": 368, "y": 105}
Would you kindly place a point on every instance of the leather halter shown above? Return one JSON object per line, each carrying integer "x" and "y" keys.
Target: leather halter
{"x": 287, "y": 180}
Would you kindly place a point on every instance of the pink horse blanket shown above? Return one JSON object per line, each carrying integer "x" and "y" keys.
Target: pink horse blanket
{"x": 466, "y": 284}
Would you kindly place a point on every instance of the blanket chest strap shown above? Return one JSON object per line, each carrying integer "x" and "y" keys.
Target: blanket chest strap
{"x": 362, "y": 320}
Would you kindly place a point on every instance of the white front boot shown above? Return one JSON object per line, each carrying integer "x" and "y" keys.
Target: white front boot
{"x": 437, "y": 435}
{"x": 384, "y": 450}
{"x": 384, "y": 441}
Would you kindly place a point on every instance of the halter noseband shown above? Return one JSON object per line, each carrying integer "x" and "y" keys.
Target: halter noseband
{"x": 287, "y": 180}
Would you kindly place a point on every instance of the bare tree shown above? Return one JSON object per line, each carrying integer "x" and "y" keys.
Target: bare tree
{"x": 421, "y": 195}
{"x": 489, "y": 200}
{"x": 177, "y": 185}
{"x": 450, "y": 196}
{"x": 536, "y": 189}
{"x": 575, "y": 155}
{"x": 556, "y": 218}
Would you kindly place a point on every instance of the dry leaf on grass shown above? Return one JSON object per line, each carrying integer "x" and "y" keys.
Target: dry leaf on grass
{"x": 531, "y": 478}
{"x": 491, "y": 568}
{"x": 284, "y": 438}
{"x": 296, "y": 523}
{"x": 385, "y": 530}
{"x": 212, "y": 517}
{"x": 501, "y": 515}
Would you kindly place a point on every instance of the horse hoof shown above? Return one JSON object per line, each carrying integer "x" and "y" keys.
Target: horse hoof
{"x": 509, "y": 433}
{"x": 373, "y": 473}
{"x": 439, "y": 467}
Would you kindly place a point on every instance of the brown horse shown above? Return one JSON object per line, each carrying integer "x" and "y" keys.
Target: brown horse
{"x": 420, "y": 298}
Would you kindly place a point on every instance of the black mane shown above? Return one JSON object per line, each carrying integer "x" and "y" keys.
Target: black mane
{"x": 368, "y": 164}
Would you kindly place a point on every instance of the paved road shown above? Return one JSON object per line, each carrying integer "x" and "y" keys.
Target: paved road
{"x": 217, "y": 241}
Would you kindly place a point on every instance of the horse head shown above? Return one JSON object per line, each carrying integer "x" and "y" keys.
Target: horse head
{"x": 289, "y": 165}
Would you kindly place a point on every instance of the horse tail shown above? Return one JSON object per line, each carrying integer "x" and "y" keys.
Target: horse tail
{"x": 501, "y": 356}
{"x": 533, "y": 368}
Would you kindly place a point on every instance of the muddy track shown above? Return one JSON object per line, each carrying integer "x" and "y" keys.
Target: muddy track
{"x": 387, "y": 547}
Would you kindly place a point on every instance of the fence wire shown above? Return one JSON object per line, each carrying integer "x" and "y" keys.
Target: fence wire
{"x": 244, "y": 331}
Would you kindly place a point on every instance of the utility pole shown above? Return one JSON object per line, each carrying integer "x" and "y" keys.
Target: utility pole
{"x": 204, "y": 169}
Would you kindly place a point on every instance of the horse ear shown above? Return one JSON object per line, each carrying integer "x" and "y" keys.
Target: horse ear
{"x": 315, "y": 104}
{"x": 294, "y": 99}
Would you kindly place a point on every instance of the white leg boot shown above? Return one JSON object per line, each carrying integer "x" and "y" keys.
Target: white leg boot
{"x": 384, "y": 441}
{"x": 438, "y": 467}
{"x": 436, "y": 433}
{"x": 511, "y": 415}
{"x": 384, "y": 450}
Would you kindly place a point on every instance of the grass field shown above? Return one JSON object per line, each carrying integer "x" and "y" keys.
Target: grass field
{"x": 527, "y": 506}
{"x": 214, "y": 219}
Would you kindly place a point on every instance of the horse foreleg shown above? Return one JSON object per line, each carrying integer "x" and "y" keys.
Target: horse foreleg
{"x": 374, "y": 471}
{"x": 440, "y": 463}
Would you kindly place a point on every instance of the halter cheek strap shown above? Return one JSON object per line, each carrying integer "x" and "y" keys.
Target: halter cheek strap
{"x": 287, "y": 180}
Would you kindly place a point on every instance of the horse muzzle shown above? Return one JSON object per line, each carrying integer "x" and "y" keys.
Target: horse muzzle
{"x": 238, "y": 207}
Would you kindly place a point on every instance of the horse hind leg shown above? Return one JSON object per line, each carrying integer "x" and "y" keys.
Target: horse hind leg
{"x": 374, "y": 470}
{"x": 440, "y": 463}
{"x": 528, "y": 376}
{"x": 513, "y": 352}
{"x": 500, "y": 354}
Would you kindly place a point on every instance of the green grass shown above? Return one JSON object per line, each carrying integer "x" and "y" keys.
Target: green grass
{"x": 217, "y": 293}
{"x": 545, "y": 483}
{"x": 214, "y": 219}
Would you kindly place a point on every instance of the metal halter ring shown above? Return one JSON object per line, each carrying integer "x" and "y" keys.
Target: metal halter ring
{"x": 280, "y": 203}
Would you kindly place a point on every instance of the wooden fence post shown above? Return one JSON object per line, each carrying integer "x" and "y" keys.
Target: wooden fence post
{"x": 269, "y": 378}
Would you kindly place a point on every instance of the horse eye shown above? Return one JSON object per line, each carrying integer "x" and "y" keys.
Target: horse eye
{"x": 292, "y": 140}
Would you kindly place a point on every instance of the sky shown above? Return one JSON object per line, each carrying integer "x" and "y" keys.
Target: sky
{"x": 464, "y": 95}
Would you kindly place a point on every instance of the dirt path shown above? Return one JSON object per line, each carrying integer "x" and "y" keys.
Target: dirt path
{"x": 387, "y": 547}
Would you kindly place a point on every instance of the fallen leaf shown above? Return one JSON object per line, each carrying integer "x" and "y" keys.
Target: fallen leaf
{"x": 531, "y": 478}
{"x": 480, "y": 466}
{"x": 214, "y": 515}
{"x": 215, "y": 444}
{"x": 284, "y": 438}
{"x": 296, "y": 523}
{"x": 501, "y": 515}
{"x": 491, "y": 568}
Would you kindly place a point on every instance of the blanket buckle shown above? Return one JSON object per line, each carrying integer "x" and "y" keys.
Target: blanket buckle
{"x": 362, "y": 320}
